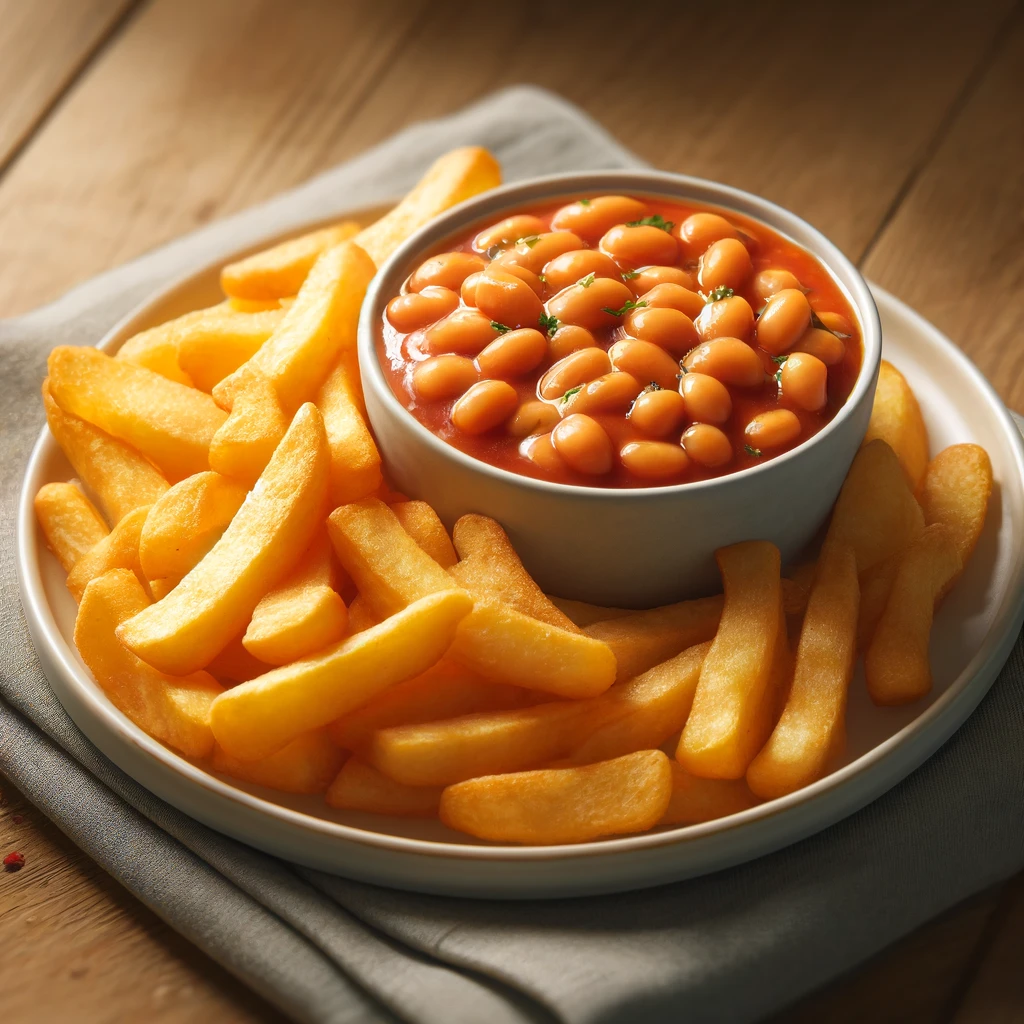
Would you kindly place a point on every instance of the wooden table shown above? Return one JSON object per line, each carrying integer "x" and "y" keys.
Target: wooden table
{"x": 894, "y": 127}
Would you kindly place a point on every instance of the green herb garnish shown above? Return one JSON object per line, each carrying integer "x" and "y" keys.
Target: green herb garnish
{"x": 500, "y": 328}
{"x": 548, "y": 323}
{"x": 584, "y": 202}
{"x": 752, "y": 452}
{"x": 630, "y": 304}
{"x": 717, "y": 294}
{"x": 587, "y": 281}
{"x": 779, "y": 359}
{"x": 572, "y": 391}
{"x": 542, "y": 279}
{"x": 630, "y": 274}
{"x": 528, "y": 240}
{"x": 654, "y": 221}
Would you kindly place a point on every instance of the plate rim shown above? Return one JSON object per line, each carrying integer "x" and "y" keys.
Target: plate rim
{"x": 860, "y": 781}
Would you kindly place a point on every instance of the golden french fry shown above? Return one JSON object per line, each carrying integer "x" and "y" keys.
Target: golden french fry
{"x": 876, "y": 514}
{"x": 355, "y": 461}
{"x": 453, "y": 178}
{"x": 258, "y": 717}
{"x": 641, "y": 640}
{"x": 736, "y": 673}
{"x": 956, "y": 490}
{"x": 70, "y": 522}
{"x": 119, "y": 477}
{"x": 563, "y": 805}
{"x": 875, "y": 587}
{"x": 812, "y": 722}
{"x": 420, "y": 521}
{"x": 242, "y": 447}
{"x": 280, "y": 271}
{"x": 175, "y": 711}
{"x": 358, "y": 787}
{"x": 168, "y": 422}
{"x": 234, "y": 664}
{"x": 213, "y": 347}
{"x": 695, "y": 799}
{"x": 896, "y": 665}
{"x": 160, "y": 588}
{"x": 185, "y": 523}
{"x": 896, "y": 419}
{"x": 796, "y": 587}
{"x": 238, "y": 305}
{"x": 390, "y": 570}
{"x": 157, "y": 348}
{"x": 316, "y": 328}
{"x": 445, "y": 691}
{"x": 306, "y": 765}
{"x": 583, "y": 614}
{"x": 490, "y": 567}
{"x": 272, "y": 529}
{"x": 647, "y": 710}
{"x": 303, "y": 613}
{"x": 118, "y": 550}
{"x": 359, "y": 615}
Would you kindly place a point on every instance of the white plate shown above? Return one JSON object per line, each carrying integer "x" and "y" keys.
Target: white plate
{"x": 974, "y": 633}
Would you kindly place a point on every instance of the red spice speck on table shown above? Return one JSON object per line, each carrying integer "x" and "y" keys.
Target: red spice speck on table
{"x": 14, "y": 861}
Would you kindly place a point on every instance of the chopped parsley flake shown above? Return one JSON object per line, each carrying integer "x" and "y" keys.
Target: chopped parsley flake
{"x": 751, "y": 451}
{"x": 717, "y": 294}
{"x": 528, "y": 240}
{"x": 779, "y": 359}
{"x": 654, "y": 221}
{"x": 548, "y": 323}
{"x": 630, "y": 274}
{"x": 572, "y": 391}
{"x": 587, "y": 281}
{"x": 630, "y": 304}
{"x": 584, "y": 202}
{"x": 500, "y": 328}
{"x": 542, "y": 279}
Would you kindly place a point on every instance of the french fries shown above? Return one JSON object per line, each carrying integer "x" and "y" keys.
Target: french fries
{"x": 358, "y": 787}
{"x": 896, "y": 665}
{"x": 583, "y": 614}
{"x": 117, "y": 475}
{"x": 174, "y": 710}
{"x": 303, "y": 613}
{"x": 316, "y": 328}
{"x": 69, "y": 521}
{"x": 185, "y": 522}
{"x": 695, "y": 800}
{"x": 242, "y": 447}
{"x": 280, "y": 271}
{"x": 168, "y": 422}
{"x": 735, "y": 676}
{"x": 896, "y": 419}
{"x": 811, "y": 726}
{"x": 118, "y": 550}
{"x": 421, "y": 522}
{"x": 215, "y": 601}
{"x": 308, "y": 764}
{"x": 234, "y": 664}
{"x": 257, "y": 718}
{"x": 490, "y": 567}
{"x": 956, "y": 490}
{"x": 563, "y": 805}
{"x": 212, "y": 348}
{"x": 157, "y": 348}
{"x": 451, "y": 179}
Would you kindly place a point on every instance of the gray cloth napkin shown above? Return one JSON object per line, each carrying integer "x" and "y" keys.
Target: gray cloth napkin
{"x": 730, "y": 947}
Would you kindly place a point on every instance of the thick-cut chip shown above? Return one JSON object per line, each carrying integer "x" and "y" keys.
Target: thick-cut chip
{"x": 875, "y": 586}
{"x": 896, "y": 666}
{"x": 303, "y": 613}
{"x": 490, "y": 567}
{"x": 583, "y": 614}
{"x": 118, "y": 550}
{"x": 157, "y": 348}
{"x": 445, "y": 691}
{"x": 812, "y": 722}
{"x": 213, "y": 347}
{"x": 119, "y": 477}
{"x": 242, "y": 447}
{"x": 358, "y": 787}
{"x": 316, "y": 328}
{"x": 280, "y": 271}
{"x": 175, "y": 711}
{"x": 695, "y": 799}
{"x": 355, "y": 461}
{"x": 306, "y": 765}
{"x": 876, "y": 514}
{"x": 185, "y": 523}
{"x": 390, "y": 570}
{"x": 647, "y": 710}
{"x": 641, "y": 640}
{"x": 453, "y": 178}
{"x": 272, "y": 529}
{"x": 437, "y": 753}
{"x": 70, "y": 522}
{"x": 360, "y": 616}
{"x": 258, "y": 717}
{"x": 421, "y": 522}
{"x": 956, "y": 490}
{"x": 168, "y": 422}
{"x": 253, "y": 305}
{"x": 563, "y": 805}
{"x": 896, "y": 419}
{"x": 235, "y": 664}
{"x": 160, "y": 588}
{"x": 736, "y": 673}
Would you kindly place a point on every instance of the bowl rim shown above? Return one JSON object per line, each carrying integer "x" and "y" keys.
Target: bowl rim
{"x": 676, "y": 186}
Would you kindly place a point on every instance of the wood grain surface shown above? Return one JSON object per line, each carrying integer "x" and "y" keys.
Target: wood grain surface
{"x": 894, "y": 127}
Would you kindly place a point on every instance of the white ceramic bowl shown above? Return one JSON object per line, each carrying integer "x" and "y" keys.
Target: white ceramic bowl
{"x": 625, "y": 547}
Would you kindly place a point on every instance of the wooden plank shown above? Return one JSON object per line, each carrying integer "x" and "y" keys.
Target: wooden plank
{"x": 200, "y": 108}
{"x": 78, "y": 946}
{"x": 43, "y": 46}
{"x": 954, "y": 249}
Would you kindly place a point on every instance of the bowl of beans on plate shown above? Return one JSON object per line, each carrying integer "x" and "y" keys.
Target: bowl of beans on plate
{"x": 627, "y": 369}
